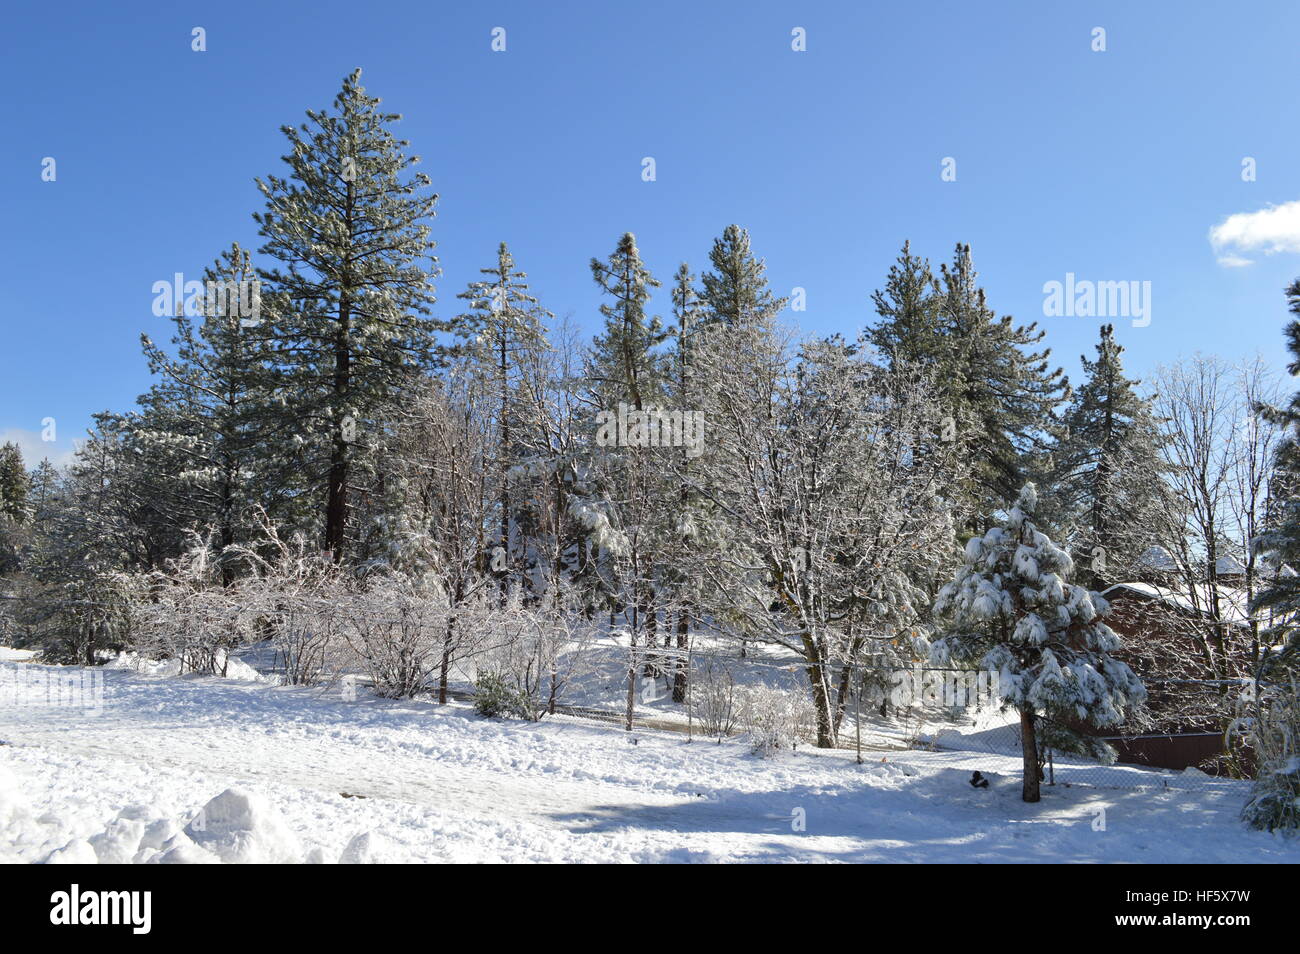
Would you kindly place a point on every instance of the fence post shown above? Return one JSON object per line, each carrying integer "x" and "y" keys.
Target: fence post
{"x": 858, "y": 716}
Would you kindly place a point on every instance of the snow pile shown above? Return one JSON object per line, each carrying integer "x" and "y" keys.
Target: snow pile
{"x": 369, "y": 848}
{"x": 13, "y": 815}
{"x": 119, "y": 843}
{"x": 236, "y": 668}
{"x": 241, "y": 828}
{"x": 76, "y": 852}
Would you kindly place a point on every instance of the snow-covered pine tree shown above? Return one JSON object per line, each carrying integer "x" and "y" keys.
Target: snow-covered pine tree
{"x": 998, "y": 391}
{"x": 1280, "y": 542}
{"x": 624, "y": 368}
{"x": 1105, "y": 477}
{"x": 42, "y": 489}
{"x": 1011, "y": 610}
{"x": 502, "y": 337}
{"x": 204, "y": 422}
{"x": 99, "y": 523}
{"x": 14, "y": 483}
{"x": 349, "y": 302}
{"x": 691, "y": 517}
{"x": 14, "y": 508}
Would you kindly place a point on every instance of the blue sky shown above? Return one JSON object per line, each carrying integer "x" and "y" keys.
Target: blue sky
{"x": 1111, "y": 165}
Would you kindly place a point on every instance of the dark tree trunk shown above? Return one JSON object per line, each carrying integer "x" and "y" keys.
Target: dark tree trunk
{"x": 1029, "y": 748}
{"x": 822, "y": 704}
{"x": 679, "y": 670}
{"x": 650, "y": 615}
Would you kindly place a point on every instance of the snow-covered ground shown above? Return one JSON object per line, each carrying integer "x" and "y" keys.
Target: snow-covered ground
{"x": 121, "y": 770}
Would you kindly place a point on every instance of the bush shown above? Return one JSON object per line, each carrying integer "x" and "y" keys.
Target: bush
{"x": 398, "y": 630}
{"x": 775, "y": 719}
{"x": 1274, "y": 732}
{"x": 713, "y": 699}
{"x": 494, "y": 698}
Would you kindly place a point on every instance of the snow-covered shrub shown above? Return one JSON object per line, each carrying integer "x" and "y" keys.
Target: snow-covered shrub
{"x": 713, "y": 699}
{"x": 296, "y": 597}
{"x": 1274, "y": 734}
{"x": 536, "y": 651}
{"x": 184, "y": 613}
{"x": 776, "y": 719}
{"x": 397, "y": 627}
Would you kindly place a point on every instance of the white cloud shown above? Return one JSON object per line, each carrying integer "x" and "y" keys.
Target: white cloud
{"x": 1272, "y": 230}
{"x": 34, "y": 449}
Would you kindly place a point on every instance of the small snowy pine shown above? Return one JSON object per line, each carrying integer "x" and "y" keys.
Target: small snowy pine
{"x": 1011, "y": 610}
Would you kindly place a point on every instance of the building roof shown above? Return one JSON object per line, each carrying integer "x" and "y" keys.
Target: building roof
{"x": 1232, "y": 600}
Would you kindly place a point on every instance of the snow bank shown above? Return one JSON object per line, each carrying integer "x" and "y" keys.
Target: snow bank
{"x": 369, "y": 848}
{"x": 236, "y": 669}
{"x": 242, "y": 828}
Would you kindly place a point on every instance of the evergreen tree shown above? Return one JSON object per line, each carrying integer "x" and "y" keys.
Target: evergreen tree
{"x": 1280, "y": 543}
{"x": 97, "y": 522}
{"x": 42, "y": 485}
{"x": 999, "y": 389}
{"x": 503, "y": 335}
{"x": 626, "y": 379}
{"x": 15, "y": 508}
{"x": 207, "y": 422}
{"x": 349, "y": 302}
{"x": 909, "y": 308}
{"x": 735, "y": 292}
{"x": 624, "y": 366}
{"x": 688, "y": 528}
{"x": 1106, "y": 467}
{"x": 1011, "y": 610}
{"x": 14, "y": 483}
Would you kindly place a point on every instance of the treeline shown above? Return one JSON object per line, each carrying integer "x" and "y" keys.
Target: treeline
{"x": 695, "y": 466}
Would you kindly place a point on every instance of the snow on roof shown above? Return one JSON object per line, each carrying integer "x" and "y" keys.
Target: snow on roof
{"x": 1232, "y": 601}
{"x": 1229, "y": 566}
{"x": 1157, "y": 558}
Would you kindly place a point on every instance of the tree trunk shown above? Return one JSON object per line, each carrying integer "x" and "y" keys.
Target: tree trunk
{"x": 1029, "y": 748}
{"x": 445, "y": 667}
{"x": 631, "y": 683}
{"x": 679, "y": 670}
{"x": 822, "y": 704}
{"x": 650, "y": 616}
{"x": 336, "y": 504}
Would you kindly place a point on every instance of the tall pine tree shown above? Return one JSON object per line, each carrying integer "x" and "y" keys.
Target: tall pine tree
{"x": 350, "y": 299}
{"x": 736, "y": 292}
{"x": 995, "y": 382}
{"x": 1106, "y": 467}
{"x": 502, "y": 334}
{"x": 203, "y": 421}
{"x": 1280, "y": 543}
